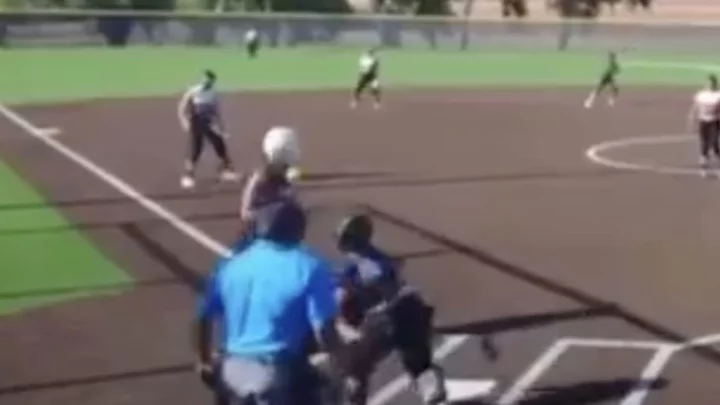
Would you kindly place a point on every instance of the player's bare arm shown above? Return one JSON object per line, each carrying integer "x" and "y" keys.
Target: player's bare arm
{"x": 183, "y": 110}
{"x": 249, "y": 195}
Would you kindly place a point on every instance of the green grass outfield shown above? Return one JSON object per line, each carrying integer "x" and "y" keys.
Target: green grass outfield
{"x": 33, "y": 262}
{"x": 33, "y": 75}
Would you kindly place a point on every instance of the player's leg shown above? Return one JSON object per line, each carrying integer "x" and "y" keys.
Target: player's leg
{"x": 195, "y": 149}
{"x": 227, "y": 171}
{"x": 252, "y": 48}
{"x": 370, "y": 343}
{"x": 590, "y": 100}
{"x": 412, "y": 329}
{"x": 715, "y": 142}
{"x": 613, "y": 91}
{"x": 376, "y": 92}
{"x": 705, "y": 136}
{"x": 360, "y": 86}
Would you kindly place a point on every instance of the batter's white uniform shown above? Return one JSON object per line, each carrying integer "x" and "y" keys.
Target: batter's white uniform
{"x": 706, "y": 103}
{"x": 705, "y": 113}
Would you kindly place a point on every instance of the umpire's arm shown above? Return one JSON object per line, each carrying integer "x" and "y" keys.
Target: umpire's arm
{"x": 322, "y": 312}
{"x": 211, "y": 306}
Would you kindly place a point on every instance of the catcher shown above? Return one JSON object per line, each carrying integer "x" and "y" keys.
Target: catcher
{"x": 381, "y": 313}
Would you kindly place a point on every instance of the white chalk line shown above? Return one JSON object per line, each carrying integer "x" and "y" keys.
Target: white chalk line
{"x": 616, "y": 343}
{"x": 663, "y": 353}
{"x": 651, "y": 372}
{"x": 42, "y": 134}
{"x": 595, "y": 154}
{"x": 390, "y": 390}
{"x": 384, "y": 395}
{"x": 665, "y": 350}
{"x": 517, "y": 391}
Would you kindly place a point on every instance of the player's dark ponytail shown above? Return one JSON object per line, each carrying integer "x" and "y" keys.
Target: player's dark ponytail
{"x": 713, "y": 82}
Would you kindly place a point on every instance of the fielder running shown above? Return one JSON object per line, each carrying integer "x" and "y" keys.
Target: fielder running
{"x": 368, "y": 79}
{"x": 199, "y": 115}
{"x": 252, "y": 42}
{"x": 607, "y": 82}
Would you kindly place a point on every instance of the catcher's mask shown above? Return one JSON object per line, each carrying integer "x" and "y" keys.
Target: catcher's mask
{"x": 354, "y": 232}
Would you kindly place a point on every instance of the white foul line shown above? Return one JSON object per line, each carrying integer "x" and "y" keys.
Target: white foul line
{"x": 384, "y": 395}
{"x": 178, "y": 223}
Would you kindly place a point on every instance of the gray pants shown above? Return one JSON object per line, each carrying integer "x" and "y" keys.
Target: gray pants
{"x": 250, "y": 381}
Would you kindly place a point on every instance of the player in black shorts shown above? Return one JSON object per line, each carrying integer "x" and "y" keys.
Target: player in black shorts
{"x": 369, "y": 65}
{"x": 704, "y": 117}
{"x": 607, "y": 82}
{"x": 380, "y": 314}
{"x": 199, "y": 115}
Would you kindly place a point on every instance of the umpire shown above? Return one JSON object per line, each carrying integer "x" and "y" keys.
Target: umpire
{"x": 270, "y": 300}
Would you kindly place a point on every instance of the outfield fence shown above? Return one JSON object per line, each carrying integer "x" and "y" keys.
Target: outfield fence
{"x": 73, "y": 28}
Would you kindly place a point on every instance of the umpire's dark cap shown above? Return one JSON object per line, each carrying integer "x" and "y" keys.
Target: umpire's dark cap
{"x": 283, "y": 222}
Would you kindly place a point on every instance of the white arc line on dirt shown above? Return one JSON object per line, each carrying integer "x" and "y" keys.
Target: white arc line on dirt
{"x": 384, "y": 395}
{"x": 594, "y": 154}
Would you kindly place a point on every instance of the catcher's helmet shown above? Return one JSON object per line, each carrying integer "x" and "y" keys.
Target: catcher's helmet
{"x": 354, "y": 231}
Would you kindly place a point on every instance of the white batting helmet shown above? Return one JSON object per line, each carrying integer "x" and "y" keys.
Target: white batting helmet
{"x": 281, "y": 145}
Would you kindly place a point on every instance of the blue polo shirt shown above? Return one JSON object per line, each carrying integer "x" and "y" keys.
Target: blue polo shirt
{"x": 270, "y": 298}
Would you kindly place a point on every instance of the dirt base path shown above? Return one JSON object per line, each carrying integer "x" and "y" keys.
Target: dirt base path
{"x": 506, "y": 226}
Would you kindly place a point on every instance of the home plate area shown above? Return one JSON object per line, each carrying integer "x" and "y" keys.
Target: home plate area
{"x": 541, "y": 349}
{"x": 568, "y": 371}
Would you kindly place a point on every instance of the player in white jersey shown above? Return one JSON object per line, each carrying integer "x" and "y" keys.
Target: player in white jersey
{"x": 369, "y": 65}
{"x": 199, "y": 115}
{"x": 252, "y": 42}
{"x": 704, "y": 117}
